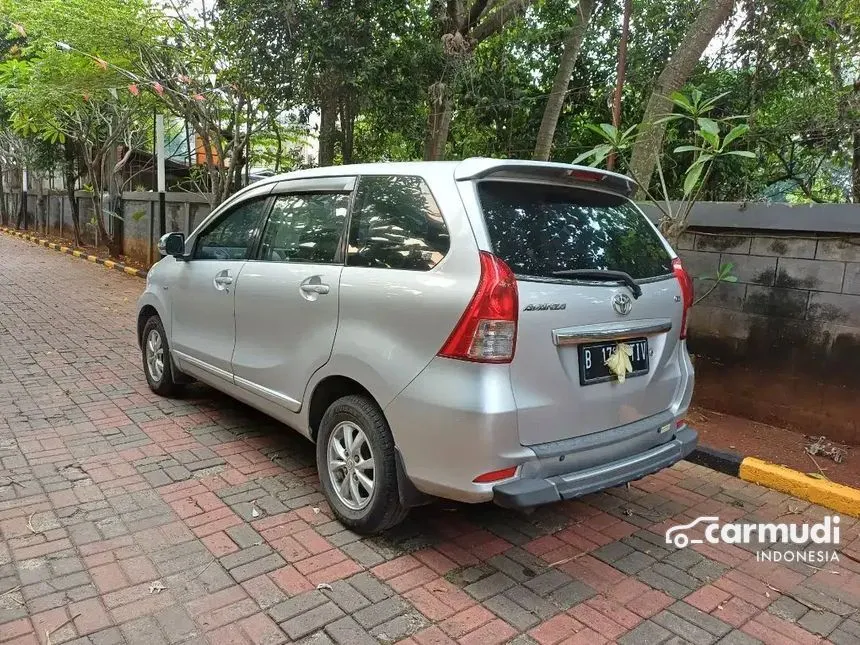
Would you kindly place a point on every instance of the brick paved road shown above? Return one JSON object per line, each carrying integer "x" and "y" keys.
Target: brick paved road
{"x": 109, "y": 494}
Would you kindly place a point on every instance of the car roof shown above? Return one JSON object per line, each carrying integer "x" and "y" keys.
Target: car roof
{"x": 471, "y": 168}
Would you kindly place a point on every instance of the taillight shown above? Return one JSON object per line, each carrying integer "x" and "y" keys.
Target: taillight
{"x": 487, "y": 331}
{"x": 686, "y": 283}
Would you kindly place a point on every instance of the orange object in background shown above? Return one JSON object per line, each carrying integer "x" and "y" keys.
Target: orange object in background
{"x": 200, "y": 150}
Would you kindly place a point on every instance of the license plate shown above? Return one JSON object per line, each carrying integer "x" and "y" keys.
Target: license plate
{"x": 592, "y": 360}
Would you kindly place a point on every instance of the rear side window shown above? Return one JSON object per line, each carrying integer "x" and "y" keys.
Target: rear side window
{"x": 396, "y": 224}
{"x": 539, "y": 230}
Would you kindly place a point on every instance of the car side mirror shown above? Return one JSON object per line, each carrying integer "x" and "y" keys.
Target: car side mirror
{"x": 172, "y": 244}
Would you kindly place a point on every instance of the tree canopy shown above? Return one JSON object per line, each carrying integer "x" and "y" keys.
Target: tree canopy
{"x": 411, "y": 79}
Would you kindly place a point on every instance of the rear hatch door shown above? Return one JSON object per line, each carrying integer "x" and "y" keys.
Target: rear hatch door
{"x": 592, "y": 272}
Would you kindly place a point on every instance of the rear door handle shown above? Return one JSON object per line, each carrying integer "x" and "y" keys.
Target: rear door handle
{"x": 315, "y": 288}
{"x": 223, "y": 280}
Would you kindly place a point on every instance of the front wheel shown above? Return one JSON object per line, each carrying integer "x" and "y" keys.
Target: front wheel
{"x": 355, "y": 459}
{"x": 156, "y": 358}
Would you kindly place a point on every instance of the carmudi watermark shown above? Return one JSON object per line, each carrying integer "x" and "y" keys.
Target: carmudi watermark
{"x": 778, "y": 542}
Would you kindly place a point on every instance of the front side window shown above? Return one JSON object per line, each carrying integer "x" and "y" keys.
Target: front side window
{"x": 396, "y": 224}
{"x": 542, "y": 231}
{"x": 232, "y": 236}
{"x": 305, "y": 227}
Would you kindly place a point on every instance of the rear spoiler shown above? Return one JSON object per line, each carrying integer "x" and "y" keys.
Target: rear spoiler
{"x": 481, "y": 168}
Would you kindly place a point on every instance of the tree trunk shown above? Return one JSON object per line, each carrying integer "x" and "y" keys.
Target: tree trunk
{"x": 41, "y": 217}
{"x": 681, "y": 64}
{"x": 328, "y": 126}
{"x": 555, "y": 101}
{"x": 4, "y": 212}
{"x": 70, "y": 176}
{"x": 347, "y": 126}
{"x": 855, "y": 166}
{"x": 22, "y": 208}
{"x": 115, "y": 241}
{"x": 439, "y": 121}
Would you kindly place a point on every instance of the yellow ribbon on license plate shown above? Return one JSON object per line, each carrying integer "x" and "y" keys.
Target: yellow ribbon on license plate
{"x": 619, "y": 361}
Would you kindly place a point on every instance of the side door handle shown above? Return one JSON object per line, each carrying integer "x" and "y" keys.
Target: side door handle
{"x": 223, "y": 280}
{"x": 315, "y": 288}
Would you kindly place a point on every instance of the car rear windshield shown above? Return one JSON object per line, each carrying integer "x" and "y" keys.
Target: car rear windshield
{"x": 540, "y": 230}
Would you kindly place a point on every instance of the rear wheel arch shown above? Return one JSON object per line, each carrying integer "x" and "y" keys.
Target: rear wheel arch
{"x": 326, "y": 392}
{"x": 335, "y": 387}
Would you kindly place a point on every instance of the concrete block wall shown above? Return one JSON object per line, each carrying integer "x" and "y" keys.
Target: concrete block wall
{"x": 813, "y": 277}
{"x": 782, "y": 344}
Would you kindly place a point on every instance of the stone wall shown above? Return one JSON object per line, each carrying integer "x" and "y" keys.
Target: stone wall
{"x": 782, "y": 344}
{"x": 184, "y": 211}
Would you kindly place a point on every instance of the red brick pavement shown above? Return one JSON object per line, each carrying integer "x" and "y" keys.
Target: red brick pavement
{"x": 126, "y": 517}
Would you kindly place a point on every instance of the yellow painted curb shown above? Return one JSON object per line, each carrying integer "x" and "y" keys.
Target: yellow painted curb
{"x": 837, "y": 497}
{"x": 110, "y": 264}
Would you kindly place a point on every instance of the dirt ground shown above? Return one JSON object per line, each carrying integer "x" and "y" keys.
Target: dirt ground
{"x": 89, "y": 249}
{"x": 778, "y": 445}
{"x": 790, "y": 398}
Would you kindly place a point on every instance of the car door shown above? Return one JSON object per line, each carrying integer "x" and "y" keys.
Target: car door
{"x": 287, "y": 297}
{"x": 202, "y": 296}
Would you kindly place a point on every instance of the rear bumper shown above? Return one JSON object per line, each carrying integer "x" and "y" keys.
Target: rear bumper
{"x": 528, "y": 492}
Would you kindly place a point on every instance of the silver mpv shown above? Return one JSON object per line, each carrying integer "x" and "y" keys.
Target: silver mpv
{"x": 439, "y": 329}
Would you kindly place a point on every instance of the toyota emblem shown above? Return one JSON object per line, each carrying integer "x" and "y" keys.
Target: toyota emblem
{"x": 622, "y": 304}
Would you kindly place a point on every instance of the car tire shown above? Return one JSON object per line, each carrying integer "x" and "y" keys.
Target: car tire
{"x": 381, "y": 508}
{"x": 154, "y": 340}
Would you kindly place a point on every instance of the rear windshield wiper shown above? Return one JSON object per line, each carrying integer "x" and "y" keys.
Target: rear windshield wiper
{"x": 602, "y": 274}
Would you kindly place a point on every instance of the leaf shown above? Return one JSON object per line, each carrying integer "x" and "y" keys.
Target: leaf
{"x": 735, "y": 132}
{"x": 619, "y": 361}
{"x": 610, "y": 130}
{"x": 696, "y": 95}
{"x": 708, "y": 125}
{"x": 681, "y": 100}
{"x": 703, "y": 158}
{"x": 710, "y": 103}
{"x": 742, "y": 153}
{"x": 710, "y": 138}
{"x": 692, "y": 178}
{"x": 583, "y": 156}
{"x": 730, "y": 278}
{"x": 686, "y": 149}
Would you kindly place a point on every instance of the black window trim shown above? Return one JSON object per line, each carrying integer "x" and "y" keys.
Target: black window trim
{"x": 254, "y": 245}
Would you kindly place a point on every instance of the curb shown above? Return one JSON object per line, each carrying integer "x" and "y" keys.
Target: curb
{"x": 721, "y": 460}
{"x": 837, "y": 497}
{"x": 110, "y": 264}
{"x": 823, "y": 492}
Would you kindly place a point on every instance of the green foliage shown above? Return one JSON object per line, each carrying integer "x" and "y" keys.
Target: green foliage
{"x": 790, "y": 66}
